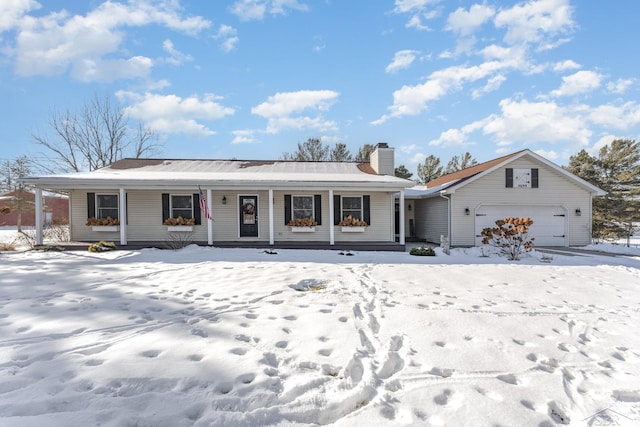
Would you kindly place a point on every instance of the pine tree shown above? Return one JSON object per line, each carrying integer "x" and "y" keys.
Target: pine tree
{"x": 402, "y": 172}
{"x": 340, "y": 153}
{"x": 616, "y": 170}
{"x": 312, "y": 150}
{"x": 429, "y": 170}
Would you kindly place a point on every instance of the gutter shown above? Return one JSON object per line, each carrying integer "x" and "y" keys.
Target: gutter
{"x": 448, "y": 199}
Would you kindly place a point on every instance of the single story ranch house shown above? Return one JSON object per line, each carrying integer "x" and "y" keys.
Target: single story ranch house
{"x": 523, "y": 184}
{"x": 250, "y": 203}
{"x": 336, "y": 205}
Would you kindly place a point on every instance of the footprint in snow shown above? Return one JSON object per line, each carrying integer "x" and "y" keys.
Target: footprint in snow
{"x": 150, "y": 353}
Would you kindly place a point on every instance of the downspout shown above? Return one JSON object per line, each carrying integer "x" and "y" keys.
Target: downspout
{"x": 448, "y": 199}
{"x": 39, "y": 219}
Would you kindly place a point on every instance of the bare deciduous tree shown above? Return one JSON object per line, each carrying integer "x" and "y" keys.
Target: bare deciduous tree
{"x": 18, "y": 200}
{"x": 96, "y": 136}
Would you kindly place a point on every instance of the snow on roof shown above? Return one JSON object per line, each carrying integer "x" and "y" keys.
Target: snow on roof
{"x": 163, "y": 172}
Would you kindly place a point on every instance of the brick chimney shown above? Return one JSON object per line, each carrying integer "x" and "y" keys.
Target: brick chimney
{"x": 382, "y": 159}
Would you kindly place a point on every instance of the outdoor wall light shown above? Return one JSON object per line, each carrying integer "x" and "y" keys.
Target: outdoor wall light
{"x": 409, "y": 207}
{"x": 224, "y": 200}
{"x": 467, "y": 211}
{"x": 578, "y": 212}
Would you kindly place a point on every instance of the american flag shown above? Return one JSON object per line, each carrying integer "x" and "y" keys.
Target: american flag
{"x": 203, "y": 205}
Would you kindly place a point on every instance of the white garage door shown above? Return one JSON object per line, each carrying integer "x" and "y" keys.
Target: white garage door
{"x": 549, "y": 222}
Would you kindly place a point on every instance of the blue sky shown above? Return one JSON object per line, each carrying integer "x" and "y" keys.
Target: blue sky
{"x": 249, "y": 79}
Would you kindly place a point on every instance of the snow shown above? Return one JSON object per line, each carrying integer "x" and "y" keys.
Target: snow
{"x": 242, "y": 337}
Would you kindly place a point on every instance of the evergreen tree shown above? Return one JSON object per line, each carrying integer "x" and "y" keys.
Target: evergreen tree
{"x": 340, "y": 153}
{"x": 616, "y": 170}
{"x": 460, "y": 162}
{"x": 429, "y": 170}
{"x": 402, "y": 172}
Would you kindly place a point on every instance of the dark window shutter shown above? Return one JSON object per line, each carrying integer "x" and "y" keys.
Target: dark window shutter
{"x": 317, "y": 206}
{"x": 509, "y": 177}
{"x": 166, "y": 214}
{"x": 366, "y": 209}
{"x": 534, "y": 178}
{"x": 287, "y": 208}
{"x": 126, "y": 207}
{"x": 196, "y": 208}
{"x": 336, "y": 210}
{"x": 91, "y": 205}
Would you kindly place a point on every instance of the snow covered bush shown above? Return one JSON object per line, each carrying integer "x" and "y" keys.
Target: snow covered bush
{"x": 102, "y": 246}
{"x": 422, "y": 251}
{"x": 511, "y": 236}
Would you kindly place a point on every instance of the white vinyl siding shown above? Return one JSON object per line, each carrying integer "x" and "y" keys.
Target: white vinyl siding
{"x": 145, "y": 222}
{"x": 554, "y": 190}
{"x": 431, "y": 219}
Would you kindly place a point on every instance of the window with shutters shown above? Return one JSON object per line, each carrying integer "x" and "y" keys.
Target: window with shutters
{"x": 521, "y": 178}
{"x": 181, "y": 206}
{"x": 302, "y": 207}
{"x": 106, "y": 206}
{"x": 352, "y": 206}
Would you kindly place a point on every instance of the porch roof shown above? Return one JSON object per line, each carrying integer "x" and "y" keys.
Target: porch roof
{"x": 164, "y": 173}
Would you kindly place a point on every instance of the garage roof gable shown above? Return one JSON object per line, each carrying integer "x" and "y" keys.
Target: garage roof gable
{"x": 451, "y": 182}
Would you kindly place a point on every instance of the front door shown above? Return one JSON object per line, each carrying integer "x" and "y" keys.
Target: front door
{"x": 248, "y": 216}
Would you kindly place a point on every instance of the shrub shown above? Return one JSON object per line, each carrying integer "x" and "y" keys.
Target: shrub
{"x": 422, "y": 251}
{"x": 510, "y": 235}
{"x": 177, "y": 241}
{"x": 102, "y": 246}
{"x": 7, "y": 246}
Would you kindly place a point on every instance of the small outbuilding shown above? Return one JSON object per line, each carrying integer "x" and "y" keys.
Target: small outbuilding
{"x": 523, "y": 184}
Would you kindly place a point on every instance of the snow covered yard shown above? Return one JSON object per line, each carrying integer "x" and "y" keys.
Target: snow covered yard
{"x": 240, "y": 337}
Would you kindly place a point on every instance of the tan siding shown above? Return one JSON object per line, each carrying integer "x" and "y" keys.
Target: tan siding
{"x": 554, "y": 190}
{"x": 431, "y": 217}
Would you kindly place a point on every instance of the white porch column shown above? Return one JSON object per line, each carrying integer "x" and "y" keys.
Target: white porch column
{"x": 402, "y": 217}
{"x": 209, "y": 222}
{"x": 271, "y": 231}
{"x": 39, "y": 219}
{"x": 331, "y": 220}
{"x": 123, "y": 217}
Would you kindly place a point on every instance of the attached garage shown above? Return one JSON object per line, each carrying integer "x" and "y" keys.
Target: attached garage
{"x": 549, "y": 222}
{"x": 523, "y": 184}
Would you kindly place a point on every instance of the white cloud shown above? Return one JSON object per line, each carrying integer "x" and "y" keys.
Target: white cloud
{"x": 620, "y": 86}
{"x": 412, "y": 100}
{"x": 100, "y": 70}
{"x": 176, "y": 57}
{"x": 535, "y": 20}
{"x": 255, "y": 10}
{"x": 548, "y": 154}
{"x": 620, "y": 117}
{"x": 493, "y": 84}
{"x": 281, "y": 110}
{"x": 465, "y": 22}
{"x": 401, "y": 60}
{"x": 456, "y": 137}
{"x": 173, "y": 114}
{"x": 418, "y": 9}
{"x": 244, "y": 136}
{"x": 12, "y": 12}
{"x": 229, "y": 37}
{"x": 566, "y": 65}
{"x": 530, "y": 122}
{"x": 578, "y": 83}
{"x": 57, "y": 42}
